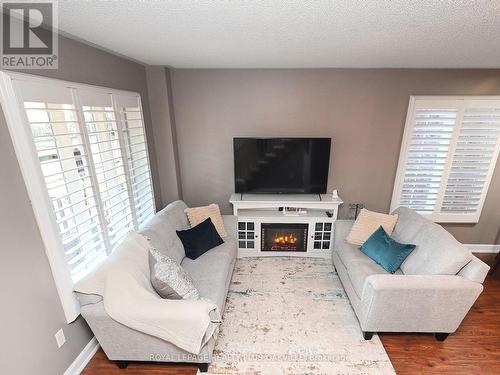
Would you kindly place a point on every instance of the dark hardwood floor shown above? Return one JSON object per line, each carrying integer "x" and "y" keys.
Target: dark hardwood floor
{"x": 474, "y": 349}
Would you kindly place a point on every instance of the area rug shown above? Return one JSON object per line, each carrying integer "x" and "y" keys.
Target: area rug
{"x": 290, "y": 315}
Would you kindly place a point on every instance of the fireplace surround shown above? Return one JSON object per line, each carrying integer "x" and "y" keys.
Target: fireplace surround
{"x": 265, "y": 228}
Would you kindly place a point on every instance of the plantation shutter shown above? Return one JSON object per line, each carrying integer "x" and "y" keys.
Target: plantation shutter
{"x": 134, "y": 139}
{"x": 107, "y": 160}
{"x": 63, "y": 160}
{"x": 448, "y": 155}
{"x": 474, "y": 158}
{"x": 91, "y": 150}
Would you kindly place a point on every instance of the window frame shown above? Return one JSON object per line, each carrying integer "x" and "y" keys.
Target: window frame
{"x": 438, "y": 216}
{"x": 27, "y": 156}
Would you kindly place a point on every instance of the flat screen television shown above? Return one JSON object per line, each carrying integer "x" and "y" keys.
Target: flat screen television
{"x": 281, "y": 165}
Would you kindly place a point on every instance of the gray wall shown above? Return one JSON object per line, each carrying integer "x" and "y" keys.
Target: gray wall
{"x": 162, "y": 116}
{"x": 31, "y": 312}
{"x": 362, "y": 110}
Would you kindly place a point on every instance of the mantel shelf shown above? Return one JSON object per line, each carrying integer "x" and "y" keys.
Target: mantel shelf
{"x": 307, "y": 201}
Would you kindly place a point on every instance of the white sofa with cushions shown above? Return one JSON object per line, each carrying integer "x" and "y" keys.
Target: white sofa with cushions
{"x": 211, "y": 273}
{"x": 432, "y": 291}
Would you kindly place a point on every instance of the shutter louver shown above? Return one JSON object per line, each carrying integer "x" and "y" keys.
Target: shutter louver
{"x": 426, "y": 160}
{"x": 449, "y": 152}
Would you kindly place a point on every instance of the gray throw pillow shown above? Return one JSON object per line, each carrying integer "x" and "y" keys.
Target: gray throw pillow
{"x": 169, "y": 279}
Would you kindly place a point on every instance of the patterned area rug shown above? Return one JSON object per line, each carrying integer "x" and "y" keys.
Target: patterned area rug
{"x": 290, "y": 315}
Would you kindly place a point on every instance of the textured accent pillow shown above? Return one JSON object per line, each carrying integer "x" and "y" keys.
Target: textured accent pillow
{"x": 199, "y": 239}
{"x": 385, "y": 251}
{"x": 169, "y": 279}
{"x": 196, "y": 215}
{"x": 367, "y": 223}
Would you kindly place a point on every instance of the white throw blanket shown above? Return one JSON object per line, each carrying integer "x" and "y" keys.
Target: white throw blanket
{"x": 124, "y": 284}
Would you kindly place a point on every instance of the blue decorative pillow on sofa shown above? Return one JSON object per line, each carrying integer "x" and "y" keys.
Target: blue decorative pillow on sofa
{"x": 386, "y": 252}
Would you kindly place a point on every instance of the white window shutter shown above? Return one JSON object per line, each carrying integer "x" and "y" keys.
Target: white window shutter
{"x": 83, "y": 155}
{"x": 474, "y": 160}
{"x": 108, "y": 166}
{"x": 64, "y": 164}
{"x": 448, "y": 155}
{"x": 427, "y": 143}
{"x": 136, "y": 152}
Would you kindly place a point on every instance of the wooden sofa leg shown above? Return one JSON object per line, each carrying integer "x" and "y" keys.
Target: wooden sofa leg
{"x": 368, "y": 335}
{"x": 441, "y": 336}
{"x": 122, "y": 364}
{"x": 203, "y": 367}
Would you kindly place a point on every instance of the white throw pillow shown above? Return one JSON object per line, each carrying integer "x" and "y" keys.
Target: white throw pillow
{"x": 367, "y": 223}
{"x": 197, "y": 215}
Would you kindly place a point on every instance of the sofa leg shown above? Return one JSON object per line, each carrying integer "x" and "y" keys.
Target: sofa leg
{"x": 122, "y": 364}
{"x": 367, "y": 335}
{"x": 203, "y": 367}
{"x": 441, "y": 336}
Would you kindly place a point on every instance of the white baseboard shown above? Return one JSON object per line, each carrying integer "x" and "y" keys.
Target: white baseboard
{"x": 482, "y": 248}
{"x": 83, "y": 358}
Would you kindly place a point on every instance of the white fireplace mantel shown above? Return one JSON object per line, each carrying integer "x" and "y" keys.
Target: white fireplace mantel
{"x": 242, "y": 201}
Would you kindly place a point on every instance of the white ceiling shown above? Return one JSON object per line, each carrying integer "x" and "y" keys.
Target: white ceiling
{"x": 292, "y": 33}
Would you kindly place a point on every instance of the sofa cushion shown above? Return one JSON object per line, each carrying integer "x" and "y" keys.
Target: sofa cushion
{"x": 163, "y": 237}
{"x": 359, "y": 270}
{"x": 161, "y": 230}
{"x": 409, "y": 225}
{"x": 175, "y": 213}
{"x": 348, "y": 252}
{"x": 341, "y": 229}
{"x": 437, "y": 251}
{"x": 211, "y": 271}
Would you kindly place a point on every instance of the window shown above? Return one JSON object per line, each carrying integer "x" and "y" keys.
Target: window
{"x": 83, "y": 154}
{"x": 448, "y": 155}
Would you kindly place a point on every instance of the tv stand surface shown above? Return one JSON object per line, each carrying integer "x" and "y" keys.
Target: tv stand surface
{"x": 242, "y": 201}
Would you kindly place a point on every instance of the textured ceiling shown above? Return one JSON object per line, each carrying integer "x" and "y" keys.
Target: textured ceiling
{"x": 293, "y": 33}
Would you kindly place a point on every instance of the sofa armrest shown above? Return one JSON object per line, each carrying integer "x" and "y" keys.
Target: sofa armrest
{"x": 88, "y": 299}
{"x": 120, "y": 342}
{"x": 476, "y": 270}
{"x": 341, "y": 229}
{"x": 416, "y": 303}
{"x": 230, "y": 224}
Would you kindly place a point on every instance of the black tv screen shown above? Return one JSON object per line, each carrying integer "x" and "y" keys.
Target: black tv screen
{"x": 281, "y": 165}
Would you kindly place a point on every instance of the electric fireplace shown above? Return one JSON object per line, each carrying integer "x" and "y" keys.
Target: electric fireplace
{"x": 284, "y": 237}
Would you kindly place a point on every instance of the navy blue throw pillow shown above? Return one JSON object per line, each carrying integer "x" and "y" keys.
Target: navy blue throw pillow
{"x": 199, "y": 239}
{"x": 386, "y": 252}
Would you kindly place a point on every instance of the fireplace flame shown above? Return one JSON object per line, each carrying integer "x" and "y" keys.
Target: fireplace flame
{"x": 286, "y": 239}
